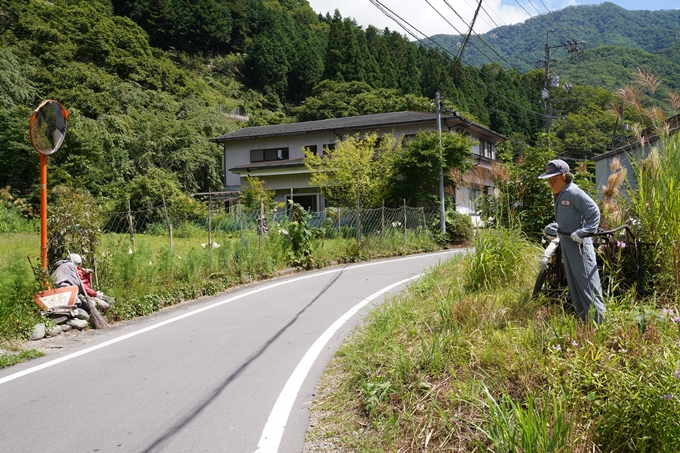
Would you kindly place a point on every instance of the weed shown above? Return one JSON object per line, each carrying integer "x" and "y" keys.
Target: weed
{"x": 10, "y": 359}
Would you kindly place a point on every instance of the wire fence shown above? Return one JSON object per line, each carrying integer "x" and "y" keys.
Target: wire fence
{"x": 331, "y": 222}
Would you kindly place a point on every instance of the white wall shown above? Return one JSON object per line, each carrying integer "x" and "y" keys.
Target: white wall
{"x": 237, "y": 153}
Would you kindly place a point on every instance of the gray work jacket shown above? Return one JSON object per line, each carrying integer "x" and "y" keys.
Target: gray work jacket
{"x": 575, "y": 211}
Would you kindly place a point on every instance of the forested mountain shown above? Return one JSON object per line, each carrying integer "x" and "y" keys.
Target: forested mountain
{"x": 612, "y": 66}
{"x": 141, "y": 116}
{"x": 631, "y": 39}
{"x": 148, "y": 82}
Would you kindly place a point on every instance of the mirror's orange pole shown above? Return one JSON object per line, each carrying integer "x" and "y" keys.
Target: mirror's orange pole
{"x": 43, "y": 210}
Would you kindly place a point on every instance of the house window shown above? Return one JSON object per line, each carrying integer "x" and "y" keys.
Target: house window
{"x": 407, "y": 138}
{"x": 328, "y": 147}
{"x": 486, "y": 149}
{"x": 308, "y": 201}
{"x": 312, "y": 149}
{"x": 257, "y": 155}
{"x": 474, "y": 199}
{"x": 265, "y": 155}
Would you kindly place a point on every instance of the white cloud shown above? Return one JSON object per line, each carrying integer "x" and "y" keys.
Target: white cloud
{"x": 423, "y": 17}
{"x": 495, "y": 13}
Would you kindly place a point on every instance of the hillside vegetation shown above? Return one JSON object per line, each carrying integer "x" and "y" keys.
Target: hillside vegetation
{"x": 606, "y": 24}
{"x": 141, "y": 116}
{"x": 149, "y": 82}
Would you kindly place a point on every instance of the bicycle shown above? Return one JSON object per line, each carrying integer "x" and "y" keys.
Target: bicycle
{"x": 611, "y": 256}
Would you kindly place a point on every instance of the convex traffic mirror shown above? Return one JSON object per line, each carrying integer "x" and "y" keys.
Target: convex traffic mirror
{"x": 48, "y": 127}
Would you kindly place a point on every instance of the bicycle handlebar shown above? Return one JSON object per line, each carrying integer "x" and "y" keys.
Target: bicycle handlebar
{"x": 603, "y": 233}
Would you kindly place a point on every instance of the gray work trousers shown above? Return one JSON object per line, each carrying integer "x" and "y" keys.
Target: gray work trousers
{"x": 582, "y": 277}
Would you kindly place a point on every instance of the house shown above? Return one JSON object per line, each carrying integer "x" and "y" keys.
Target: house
{"x": 631, "y": 152}
{"x": 274, "y": 153}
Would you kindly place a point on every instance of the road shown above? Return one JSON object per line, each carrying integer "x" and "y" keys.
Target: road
{"x": 233, "y": 373}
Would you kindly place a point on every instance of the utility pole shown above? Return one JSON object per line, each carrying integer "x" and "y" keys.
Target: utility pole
{"x": 550, "y": 82}
{"x": 467, "y": 37}
{"x": 442, "y": 209}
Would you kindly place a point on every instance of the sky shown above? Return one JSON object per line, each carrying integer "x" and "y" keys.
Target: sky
{"x": 494, "y": 13}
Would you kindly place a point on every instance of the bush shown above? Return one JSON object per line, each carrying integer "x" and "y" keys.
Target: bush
{"x": 75, "y": 224}
{"x": 459, "y": 229}
{"x": 503, "y": 258}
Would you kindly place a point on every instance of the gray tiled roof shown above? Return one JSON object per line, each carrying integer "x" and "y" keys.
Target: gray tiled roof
{"x": 364, "y": 122}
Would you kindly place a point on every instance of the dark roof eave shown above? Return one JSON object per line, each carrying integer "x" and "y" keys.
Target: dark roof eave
{"x": 632, "y": 146}
{"x": 350, "y": 124}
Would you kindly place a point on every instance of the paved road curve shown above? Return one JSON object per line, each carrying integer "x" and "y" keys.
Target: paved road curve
{"x": 234, "y": 373}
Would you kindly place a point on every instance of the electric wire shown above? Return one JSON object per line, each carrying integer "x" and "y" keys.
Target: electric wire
{"x": 500, "y": 30}
{"x": 409, "y": 29}
{"x": 542, "y": 14}
{"x": 555, "y": 21}
{"x": 457, "y": 31}
{"x": 478, "y": 37}
{"x": 535, "y": 20}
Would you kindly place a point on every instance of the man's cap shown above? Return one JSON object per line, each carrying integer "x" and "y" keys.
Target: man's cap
{"x": 76, "y": 258}
{"x": 554, "y": 168}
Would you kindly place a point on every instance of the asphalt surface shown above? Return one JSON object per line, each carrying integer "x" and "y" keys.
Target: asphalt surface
{"x": 232, "y": 373}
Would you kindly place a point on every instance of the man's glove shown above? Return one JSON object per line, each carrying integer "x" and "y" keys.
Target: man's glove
{"x": 576, "y": 238}
{"x": 543, "y": 264}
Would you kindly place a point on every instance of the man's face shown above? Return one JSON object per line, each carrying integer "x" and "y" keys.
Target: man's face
{"x": 557, "y": 183}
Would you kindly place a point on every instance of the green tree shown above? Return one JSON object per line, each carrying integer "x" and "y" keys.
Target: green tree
{"x": 256, "y": 193}
{"x": 357, "y": 172}
{"x": 520, "y": 198}
{"x": 416, "y": 174}
{"x": 344, "y": 61}
{"x": 332, "y": 99}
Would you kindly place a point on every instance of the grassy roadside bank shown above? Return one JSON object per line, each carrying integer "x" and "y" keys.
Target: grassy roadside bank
{"x": 152, "y": 276}
{"x": 465, "y": 361}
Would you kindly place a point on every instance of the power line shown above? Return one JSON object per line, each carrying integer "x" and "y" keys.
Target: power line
{"x": 479, "y": 37}
{"x": 535, "y": 20}
{"x": 453, "y": 26}
{"x": 550, "y": 12}
{"x": 500, "y": 30}
{"x": 409, "y": 29}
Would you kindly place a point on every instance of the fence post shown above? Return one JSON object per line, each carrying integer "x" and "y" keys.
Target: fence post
{"x": 358, "y": 221}
{"x": 404, "y": 217}
{"x": 167, "y": 221}
{"x": 382, "y": 221}
{"x": 261, "y": 223}
{"x": 209, "y": 219}
{"x": 240, "y": 221}
{"x": 422, "y": 211}
{"x": 131, "y": 226}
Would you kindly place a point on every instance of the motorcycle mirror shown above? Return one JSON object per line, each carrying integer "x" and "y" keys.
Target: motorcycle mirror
{"x": 48, "y": 127}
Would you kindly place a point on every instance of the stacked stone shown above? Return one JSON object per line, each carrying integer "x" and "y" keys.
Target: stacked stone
{"x": 65, "y": 318}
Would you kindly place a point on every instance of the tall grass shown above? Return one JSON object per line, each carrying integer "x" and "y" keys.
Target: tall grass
{"x": 657, "y": 207}
{"x": 17, "y": 284}
{"x": 502, "y": 258}
{"x": 150, "y": 275}
{"x": 462, "y": 367}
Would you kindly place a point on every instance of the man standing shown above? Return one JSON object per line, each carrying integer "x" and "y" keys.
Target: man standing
{"x": 577, "y": 215}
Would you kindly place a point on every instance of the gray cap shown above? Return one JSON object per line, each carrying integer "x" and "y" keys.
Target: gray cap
{"x": 554, "y": 168}
{"x": 76, "y": 258}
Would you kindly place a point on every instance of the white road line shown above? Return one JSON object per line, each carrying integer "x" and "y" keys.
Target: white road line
{"x": 273, "y": 430}
{"x": 42, "y": 366}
